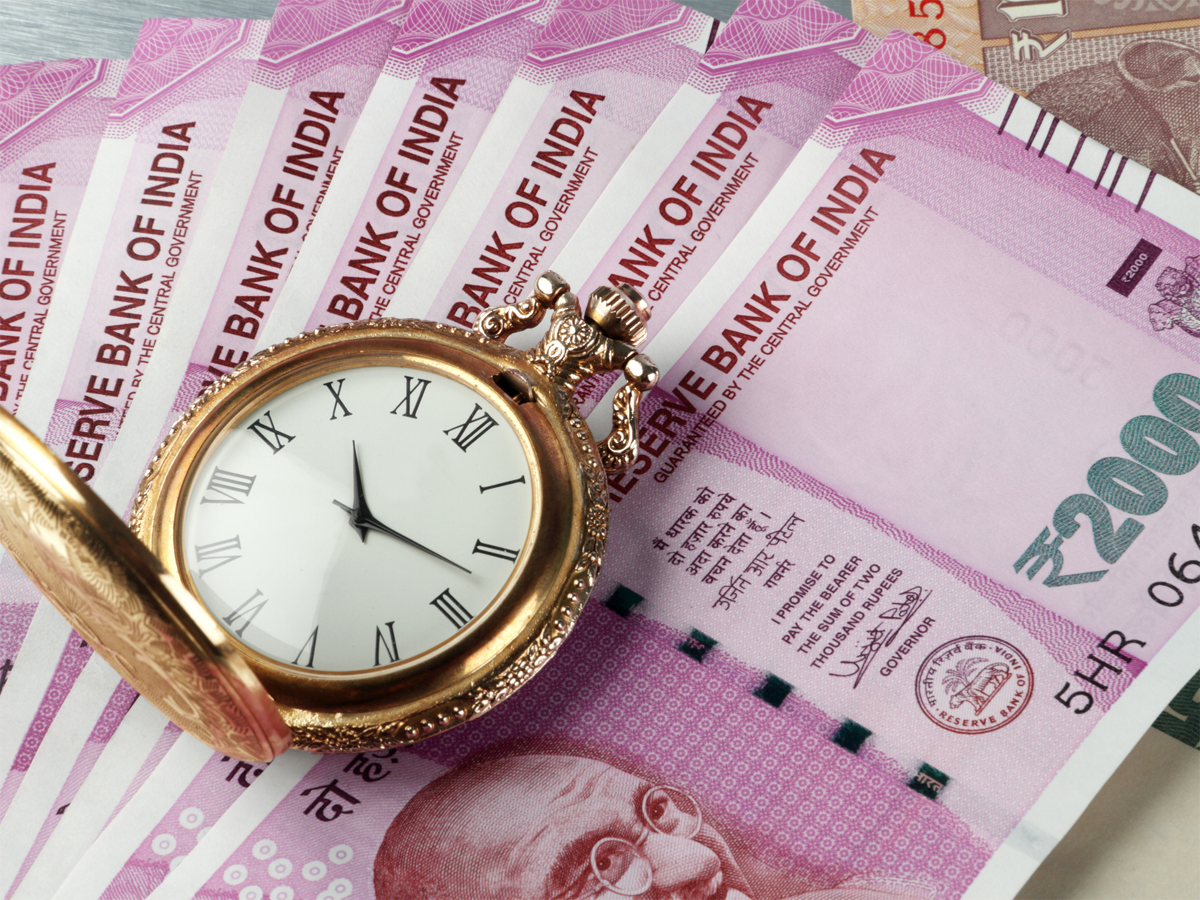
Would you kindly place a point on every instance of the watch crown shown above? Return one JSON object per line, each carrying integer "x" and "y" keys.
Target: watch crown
{"x": 620, "y": 313}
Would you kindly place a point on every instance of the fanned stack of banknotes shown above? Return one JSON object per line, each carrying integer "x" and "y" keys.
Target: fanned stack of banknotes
{"x": 910, "y": 555}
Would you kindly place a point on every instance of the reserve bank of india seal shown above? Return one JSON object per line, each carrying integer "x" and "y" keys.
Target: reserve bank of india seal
{"x": 974, "y": 684}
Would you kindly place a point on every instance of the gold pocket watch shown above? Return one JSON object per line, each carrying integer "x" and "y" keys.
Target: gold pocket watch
{"x": 359, "y": 538}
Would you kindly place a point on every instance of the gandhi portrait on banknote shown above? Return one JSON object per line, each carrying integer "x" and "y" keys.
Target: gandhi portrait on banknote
{"x": 542, "y": 826}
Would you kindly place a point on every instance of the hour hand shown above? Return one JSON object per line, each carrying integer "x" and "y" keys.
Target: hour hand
{"x": 362, "y": 521}
{"x": 360, "y": 500}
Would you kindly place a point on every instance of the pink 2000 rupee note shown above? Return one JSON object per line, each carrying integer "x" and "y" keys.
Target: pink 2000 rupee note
{"x": 836, "y": 627}
{"x": 179, "y": 71}
{"x": 588, "y": 90}
{"x": 318, "y": 68}
{"x": 52, "y": 116}
{"x": 174, "y": 118}
{"x": 308, "y": 89}
{"x": 713, "y": 154}
{"x": 163, "y": 139}
{"x": 962, "y": 407}
{"x": 447, "y": 72}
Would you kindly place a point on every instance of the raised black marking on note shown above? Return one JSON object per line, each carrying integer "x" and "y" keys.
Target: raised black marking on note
{"x": 1120, "y": 168}
{"x": 929, "y": 782}
{"x": 697, "y": 644}
{"x": 623, "y": 600}
{"x": 774, "y": 690}
{"x": 1104, "y": 168}
{"x": 1145, "y": 191}
{"x": 851, "y": 736}
{"x": 1135, "y": 267}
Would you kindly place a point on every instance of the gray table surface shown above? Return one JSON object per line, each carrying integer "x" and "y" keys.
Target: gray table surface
{"x": 62, "y": 29}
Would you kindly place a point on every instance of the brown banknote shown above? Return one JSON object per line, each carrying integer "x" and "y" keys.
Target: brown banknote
{"x": 1125, "y": 72}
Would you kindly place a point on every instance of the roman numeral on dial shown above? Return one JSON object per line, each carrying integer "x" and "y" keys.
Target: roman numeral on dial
{"x": 387, "y": 643}
{"x": 220, "y": 553}
{"x": 311, "y": 646}
{"x": 449, "y": 607}
{"x": 477, "y": 425}
{"x": 224, "y": 484}
{"x": 246, "y": 612}
{"x": 493, "y": 550}
{"x": 271, "y": 436}
{"x": 337, "y": 399}
{"x": 414, "y": 393}
{"x": 500, "y": 484}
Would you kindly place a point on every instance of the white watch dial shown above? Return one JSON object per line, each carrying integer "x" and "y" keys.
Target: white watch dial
{"x": 359, "y": 518}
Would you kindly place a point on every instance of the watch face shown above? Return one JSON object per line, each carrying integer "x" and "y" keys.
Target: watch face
{"x": 359, "y": 518}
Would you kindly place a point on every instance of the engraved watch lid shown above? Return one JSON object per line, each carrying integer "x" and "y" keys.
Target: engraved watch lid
{"x": 120, "y": 599}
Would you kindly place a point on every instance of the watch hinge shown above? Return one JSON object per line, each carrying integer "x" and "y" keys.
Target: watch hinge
{"x": 517, "y": 385}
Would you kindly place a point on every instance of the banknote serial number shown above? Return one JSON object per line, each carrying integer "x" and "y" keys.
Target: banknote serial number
{"x": 1110, "y": 665}
{"x": 1157, "y": 446}
{"x": 1080, "y": 697}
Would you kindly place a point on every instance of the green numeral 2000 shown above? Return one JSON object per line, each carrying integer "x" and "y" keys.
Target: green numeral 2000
{"x": 1157, "y": 446}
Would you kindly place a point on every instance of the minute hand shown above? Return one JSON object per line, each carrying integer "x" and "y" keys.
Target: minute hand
{"x": 363, "y": 519}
